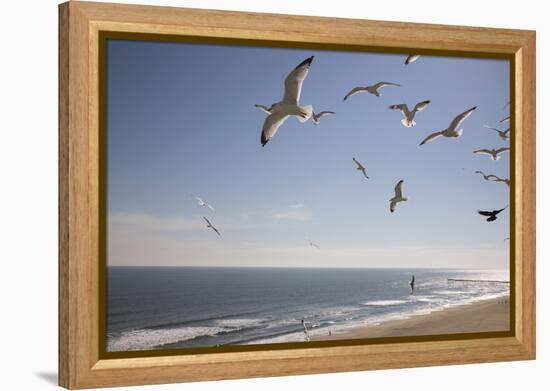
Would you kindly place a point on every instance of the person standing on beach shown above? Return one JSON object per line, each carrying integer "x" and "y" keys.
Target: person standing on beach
{"x": 412, "y": 285}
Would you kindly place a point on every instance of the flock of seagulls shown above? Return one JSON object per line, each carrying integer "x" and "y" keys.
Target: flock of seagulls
{"x": 290, "y": 105}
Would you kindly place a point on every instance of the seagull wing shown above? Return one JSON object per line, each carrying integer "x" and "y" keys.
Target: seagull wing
{"x": 294, "y": 80}
{"x": 215, "y": 230}
{"x": 431, "y": 137}
{"x": 207, "y": 221}
{"x": 382, "y": 84}
{"x": 484, "y": 152}
{"x": 421, "y": 105}
{"x": 411, "y": 58}
{"x": 324, "y": 113}
{"x": 265, "y": 109}
{"x": 359, "y": 165}
{"x": 496, "y": 212}
{"x": 400, "y": 107}
{"x": 505, "y": 119}
{"x": 503, "y": 149}
{"x": 489, "y": 127}
{"x": 485, "y": 213}
{"x": 271, "y": 125}
{"x": 460, "y": 118}
{"x": 354, "y": 91}
{"x": 399, "y": 189}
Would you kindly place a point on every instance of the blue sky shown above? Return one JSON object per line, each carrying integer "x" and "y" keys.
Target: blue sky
{"x": 181, "y": 121}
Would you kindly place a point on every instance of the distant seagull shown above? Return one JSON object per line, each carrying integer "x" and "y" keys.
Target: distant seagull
{"x": 506, "y": 181}
{"x": 505, "y": 119}
{"x": 452, "y": 130}
{"x": 503, "y": 134}
{"x": 409, "y": 121}
{"x": 361, "y": 168}
{"x": 311, "y": 244}
{"x": 411, "y": 58}
{"x": 494, "y": 153}
{"x": 289, "y": 105}
{"x": 211, "y": 226}
{"x": 316, "y": 118}
{"x": 398, "y": 197}
{"x": 305, "y": 330}
{"x": 411, "y": 284}
{"x": 491, "y": 214}
{"x": 508, "y": 238}
{"x": 263, "y": 108}
{"x": 489, "y": 177}
{"x": 374, "y": 89}
{"x": 203, "y": 203}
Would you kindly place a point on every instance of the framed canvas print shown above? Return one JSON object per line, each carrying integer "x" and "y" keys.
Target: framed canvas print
{"x": 247, "y": 195}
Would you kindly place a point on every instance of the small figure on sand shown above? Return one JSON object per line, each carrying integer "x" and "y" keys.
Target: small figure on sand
{"x": 411, "y": 284}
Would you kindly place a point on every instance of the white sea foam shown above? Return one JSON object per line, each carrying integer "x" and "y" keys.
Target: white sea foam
{"x": 385, "y": 302}
{"x": 144, "y": 339}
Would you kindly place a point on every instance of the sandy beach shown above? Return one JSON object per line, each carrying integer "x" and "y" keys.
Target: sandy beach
{"x": 482, "y": 316}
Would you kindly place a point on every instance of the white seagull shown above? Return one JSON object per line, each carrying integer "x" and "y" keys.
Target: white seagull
{"x": 494, "y": 153}
{"x": 289, "y": 105}
{"x": 263, "y": 108}
{"x": 209, "y": 225}
{"x": 411, "y": 58}
{"x": 398, "y": 197}
{"x": 409, "y": 121}
{"x": 453, "y": 129}
{"x": 204, "y": 203}
{"x": 361, "y": 168}
{"x": 503, "y": 134}
{"x": 374, "y": 89}
{"x": 316, "y": 118}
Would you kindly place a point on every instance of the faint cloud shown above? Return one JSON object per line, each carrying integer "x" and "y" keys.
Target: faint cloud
{"x": 293, "y": 215}
{"x": 296, "y": 206}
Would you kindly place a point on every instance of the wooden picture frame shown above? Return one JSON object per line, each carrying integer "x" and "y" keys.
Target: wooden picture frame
{"x": 81, "y": 25}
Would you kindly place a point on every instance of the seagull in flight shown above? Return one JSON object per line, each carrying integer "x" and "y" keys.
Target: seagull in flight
{"x": 316, "y": 118}
{"x": 204, "y": 203}
{"x": 263, "y": 108}
{"x": 289, "y": 105}
{"x": 209, "y": 225}
{"x": 492, "y": 215}
{"x": 398, "y": 197}
{"x": 361, "y": 168}
{"x": 411, "y": 58}
{"x": 374, "y": 89}
{"x": 453, "y": 129}
{"x": 494, "y": 153}
{"x": 489, "y": 177}
{"x": 503, "y": 134}
{"x": 409, "y": 121}
{"x": 506, "y": 181}
{"x": 311, "y": 244}
{"x": 411, "y": 284}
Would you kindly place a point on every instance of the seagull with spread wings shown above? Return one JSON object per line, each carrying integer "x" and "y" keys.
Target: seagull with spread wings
{"x": 491, "y": 215}
{"x": 453, "y": 129}
{"x": 311, "y": 244}
{"x": 489, "y": 177}
{"x": 361, "y": 168}
{"x": 506, "y": 181}
{"x": 374, "y": 89}
{"x": 204, "y": 203}
{"x": 316, "y": 118}
{"x": 289, "y": 105}
{"x": 503, "y": 134}
{"x": 398, "y": 197}
{"x": 209, "y": 225}
{"x": 494, "y": 153}
{"x": 411, "y": 58}
{"x": 409, "y": 121}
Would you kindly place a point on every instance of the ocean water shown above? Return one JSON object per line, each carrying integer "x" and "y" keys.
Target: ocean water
{"x": 181, "y": 307}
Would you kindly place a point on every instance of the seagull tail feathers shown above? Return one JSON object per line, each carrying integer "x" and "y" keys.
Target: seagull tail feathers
{"x": 307, "y": 111}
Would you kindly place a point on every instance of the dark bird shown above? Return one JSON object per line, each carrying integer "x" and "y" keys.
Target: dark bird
{"x": 209, "y": 225}
{"x": 411, "y": 284}
{"x": 492, "y": 215}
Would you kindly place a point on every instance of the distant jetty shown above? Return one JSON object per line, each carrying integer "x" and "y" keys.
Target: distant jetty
{"x": 487, "y": 281}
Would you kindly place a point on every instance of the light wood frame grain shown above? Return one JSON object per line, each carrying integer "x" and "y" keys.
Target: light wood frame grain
{"x": 80, "y": 25}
